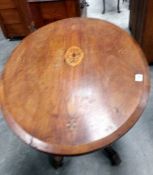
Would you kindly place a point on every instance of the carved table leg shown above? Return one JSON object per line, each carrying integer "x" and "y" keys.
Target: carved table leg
{"x": 112, "y": 156}
{"x": 83, "y": 4}
{"x": 118, "y": 6}
{"x": 56, "y": 161}
{"x": 103, "y": 7}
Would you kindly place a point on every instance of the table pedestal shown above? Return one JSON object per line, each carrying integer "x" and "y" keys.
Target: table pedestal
{"x": 112, "y": 155}
{"x": 57, "y": 161}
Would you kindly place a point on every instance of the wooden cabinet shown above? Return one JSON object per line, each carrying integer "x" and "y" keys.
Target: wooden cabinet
{"x": 14, "y": 18}
{"x": 141, "y": 25}
{"x": 44, "y": 12}
{"x": 20, "y": 17}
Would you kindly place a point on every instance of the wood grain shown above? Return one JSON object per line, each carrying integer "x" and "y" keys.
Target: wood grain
{"x": 68, "y": 110}
{"x": 15, "y": 18}
{"x": 6, "y": 4}
{"x": 11, "y": 16}
{"x": 141, "y": 25}
{"x": 45, "y": 12}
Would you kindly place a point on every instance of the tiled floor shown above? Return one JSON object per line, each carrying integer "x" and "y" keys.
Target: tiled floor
{"x": 111, "y": 15}
{"x": 136, "y": 147}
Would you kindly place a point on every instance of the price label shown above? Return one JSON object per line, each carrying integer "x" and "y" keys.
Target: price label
{"x": 139, "y": 77}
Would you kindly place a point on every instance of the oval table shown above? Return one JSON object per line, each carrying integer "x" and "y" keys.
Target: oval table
{"x": 74, "y": 86}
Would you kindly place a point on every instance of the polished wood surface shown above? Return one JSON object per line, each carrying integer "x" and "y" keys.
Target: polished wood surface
{"x": 74, "y": 86}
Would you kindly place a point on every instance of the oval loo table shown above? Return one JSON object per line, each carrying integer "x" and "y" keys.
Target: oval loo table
{"x": 73, "y": 87}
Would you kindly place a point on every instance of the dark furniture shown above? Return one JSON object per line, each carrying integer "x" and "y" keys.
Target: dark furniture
{"x": 20, "y": 17}
{"x": 65, "y": 92}
{"x": 44, "y": 11}
{"x": 141, "y": 25}
{"x": 15, "y": 19}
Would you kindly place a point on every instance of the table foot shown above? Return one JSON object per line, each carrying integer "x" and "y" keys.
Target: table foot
{"x": 56, "y": 161}
{"x": 118, "y": 11}
{"x": 112, "y": 155}
{"x": 103, "y": 12}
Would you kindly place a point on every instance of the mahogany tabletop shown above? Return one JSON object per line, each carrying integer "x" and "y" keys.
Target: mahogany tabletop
{"x": 74, "y": 86}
